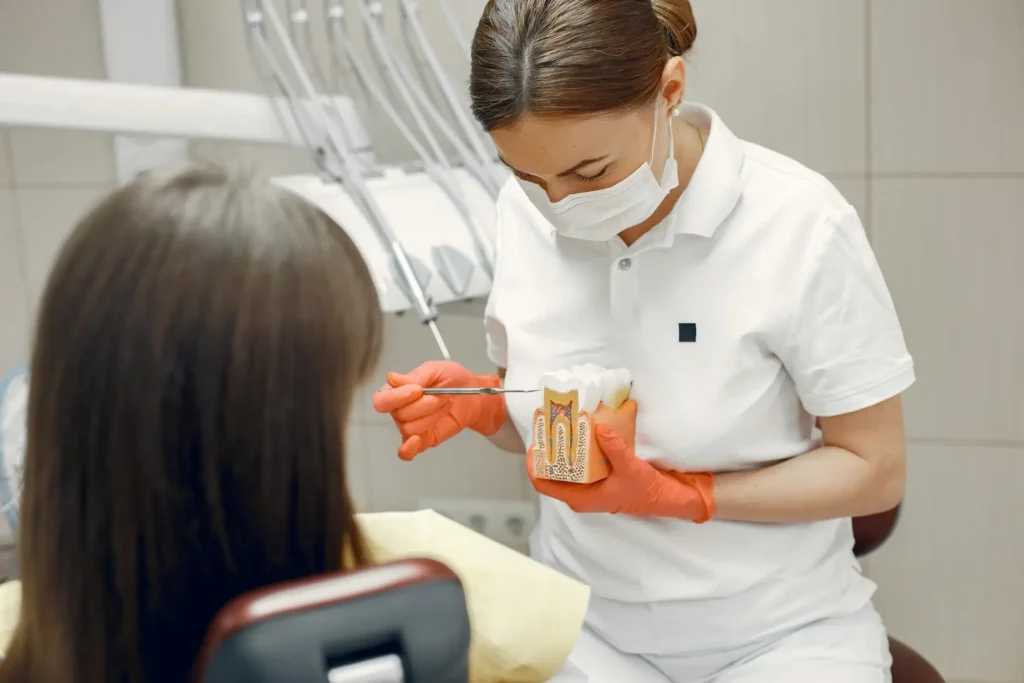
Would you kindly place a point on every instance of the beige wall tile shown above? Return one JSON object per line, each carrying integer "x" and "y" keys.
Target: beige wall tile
{"x": 357, "y": 468}
{"x": 947, "y": 85}
{"x": 51, "y": 38}
{"x": 6, "y": 171}
{"x": 14, "y": 320}
{"x": 61, "y": 157}
{"x": 787, "y": 74}
{"x": 214, "y": 52}
{"x": 464, "y": 467}
{"x": 951, "y": 250}
{"x": 949, "y": 578}
{"x": 47, "y": 217}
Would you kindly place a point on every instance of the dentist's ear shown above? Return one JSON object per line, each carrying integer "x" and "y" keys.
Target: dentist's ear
{"x": 673, "y": 82}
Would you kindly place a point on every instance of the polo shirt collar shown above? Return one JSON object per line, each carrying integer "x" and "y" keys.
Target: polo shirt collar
{"x": 716, "y": 184}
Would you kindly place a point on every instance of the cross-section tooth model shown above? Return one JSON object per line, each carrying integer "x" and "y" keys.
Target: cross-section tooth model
{"x": 563, "y": 444}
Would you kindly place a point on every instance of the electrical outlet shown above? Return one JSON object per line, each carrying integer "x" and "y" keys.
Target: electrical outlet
{"x": 508, "y": 522}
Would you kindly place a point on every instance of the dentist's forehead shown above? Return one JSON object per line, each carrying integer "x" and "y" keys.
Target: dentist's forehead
{"x": 547, "y": 147}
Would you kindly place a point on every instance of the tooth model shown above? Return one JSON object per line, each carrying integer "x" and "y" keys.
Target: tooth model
{"x": 563, "y": 444}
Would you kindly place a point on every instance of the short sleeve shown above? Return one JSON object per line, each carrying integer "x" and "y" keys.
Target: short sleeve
{"x": 845, "y": 349}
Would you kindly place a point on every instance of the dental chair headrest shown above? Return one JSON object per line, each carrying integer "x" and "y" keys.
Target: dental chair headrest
{"x": 403, "y": 621}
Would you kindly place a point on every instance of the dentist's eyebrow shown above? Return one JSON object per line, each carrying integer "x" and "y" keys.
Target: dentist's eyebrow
{"x": 574, "y": 169}
{"x": 510, "y": 166}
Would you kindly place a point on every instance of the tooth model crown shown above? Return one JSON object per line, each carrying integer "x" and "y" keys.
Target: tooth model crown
{"x": 563, "y": 447}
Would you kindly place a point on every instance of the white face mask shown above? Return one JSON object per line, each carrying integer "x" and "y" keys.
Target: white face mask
{"x": 602, "y": 214}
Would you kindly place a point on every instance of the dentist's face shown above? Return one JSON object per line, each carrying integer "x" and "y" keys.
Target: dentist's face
{"x": 570, "y": 155}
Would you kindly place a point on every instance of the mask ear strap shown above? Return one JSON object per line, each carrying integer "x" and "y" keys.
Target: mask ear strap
{"x": 654, "y": 136}
{"x": 671, "y": 140}
{"x": 671, "y": 133}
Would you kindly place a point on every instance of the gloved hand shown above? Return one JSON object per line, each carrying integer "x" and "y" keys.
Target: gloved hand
{"x": 634, "y": 486}
{"x": 425, "y": 421}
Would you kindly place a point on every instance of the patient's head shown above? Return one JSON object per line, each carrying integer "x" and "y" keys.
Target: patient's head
{"x": 198, "y": 346}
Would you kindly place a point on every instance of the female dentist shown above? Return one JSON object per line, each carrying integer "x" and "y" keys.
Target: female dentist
{"x": 740, "y": 289}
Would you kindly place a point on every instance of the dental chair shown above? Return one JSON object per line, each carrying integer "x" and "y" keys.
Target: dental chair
{"x": 907, "y": 665}
{"x": 403, "y": 622}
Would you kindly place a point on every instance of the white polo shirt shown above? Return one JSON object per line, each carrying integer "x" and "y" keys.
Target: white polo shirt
{"x": 756, "y": 304}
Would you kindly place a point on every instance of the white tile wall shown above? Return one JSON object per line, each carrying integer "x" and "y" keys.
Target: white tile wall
{"x": 788, "y": 74}
{"x": 51, "y": 38}
{"x": 949, "y": 579}
{"x": 951, "y": 249}
{"x": 14, "y": 327}
{"x": 946, "y": 99}
{"x": 6, "y": 169}
{"x": 947, "y": 86}
{"x": 46, "y": 157}
{"x": 911, "y": 107}
{"x": 47, "y": 216}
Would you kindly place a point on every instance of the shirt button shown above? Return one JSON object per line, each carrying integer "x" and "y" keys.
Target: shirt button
{"x": 625, "y": 263}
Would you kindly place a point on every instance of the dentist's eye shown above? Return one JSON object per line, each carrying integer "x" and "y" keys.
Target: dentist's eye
{"x": 591, "y": 178}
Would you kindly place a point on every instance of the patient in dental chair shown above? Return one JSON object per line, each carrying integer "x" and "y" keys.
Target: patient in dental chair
{"x": 198, "y": 348}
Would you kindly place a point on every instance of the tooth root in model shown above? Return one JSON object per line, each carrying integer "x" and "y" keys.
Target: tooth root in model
{"x": 563, "y": 445}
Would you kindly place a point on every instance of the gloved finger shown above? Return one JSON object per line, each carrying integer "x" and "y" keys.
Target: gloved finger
{"x": 410, "y": 448}
{"x": 619, "y": 454}
{"x": 422, "y": 407}
{"x": 447, "y": 427}
{"x": 627, "y": 410}
{"x": 389, "y": 400}
{"x": 426, "y": 375}
{"x": 424, "y": 423}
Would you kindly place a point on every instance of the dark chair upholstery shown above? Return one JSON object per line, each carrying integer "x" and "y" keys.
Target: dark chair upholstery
{"x": 907, "y": 665}
{"x": 403, "y": 622}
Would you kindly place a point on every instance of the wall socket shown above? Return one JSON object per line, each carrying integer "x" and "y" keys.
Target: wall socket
{"x": 508, "y": 522}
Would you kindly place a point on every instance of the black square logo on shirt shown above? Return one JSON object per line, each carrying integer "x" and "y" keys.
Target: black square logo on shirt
{"x": 687, "y": 332}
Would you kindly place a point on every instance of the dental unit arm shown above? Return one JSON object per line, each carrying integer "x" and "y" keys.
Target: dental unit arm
{"x": 335, "y": 148}
{"x": 453, "y": 266}
{"x": 409, "y": 88}
{"x": 410, "y": 10}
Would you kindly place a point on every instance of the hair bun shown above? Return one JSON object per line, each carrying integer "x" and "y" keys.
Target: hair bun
{"x": 676, "y": 17}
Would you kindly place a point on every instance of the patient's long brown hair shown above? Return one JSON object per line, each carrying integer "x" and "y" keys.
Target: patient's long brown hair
{"x": 197, "y": 350}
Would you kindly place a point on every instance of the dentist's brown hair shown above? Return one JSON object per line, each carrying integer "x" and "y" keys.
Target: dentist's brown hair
{"x": 552, "y": 58}
{"x": 198, "y": 347}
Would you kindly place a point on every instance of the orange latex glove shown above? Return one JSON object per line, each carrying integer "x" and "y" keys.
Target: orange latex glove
{"x": 424, "y": 420}
{"x": 634, "y": 486}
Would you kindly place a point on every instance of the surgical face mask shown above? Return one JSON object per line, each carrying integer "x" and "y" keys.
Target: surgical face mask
{"x": 602, "y": 214}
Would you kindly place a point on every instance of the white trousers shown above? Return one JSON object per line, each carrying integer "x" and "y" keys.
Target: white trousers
{"x": 846, "y": 649}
